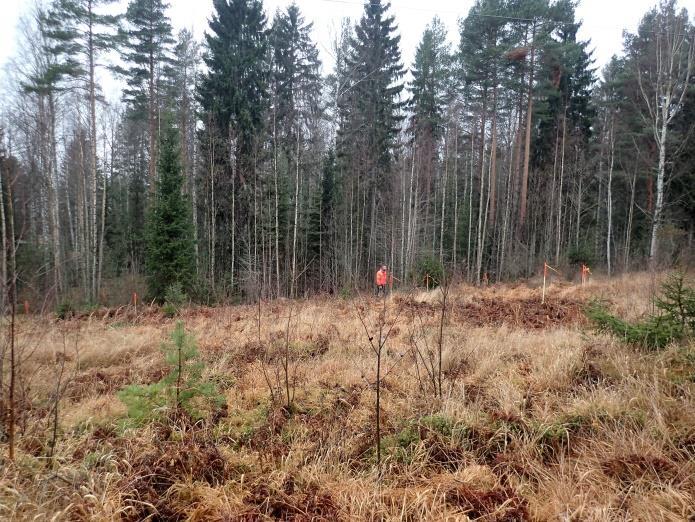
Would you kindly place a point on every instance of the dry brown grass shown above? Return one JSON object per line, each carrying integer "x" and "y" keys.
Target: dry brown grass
{"x": 544, "y": 422}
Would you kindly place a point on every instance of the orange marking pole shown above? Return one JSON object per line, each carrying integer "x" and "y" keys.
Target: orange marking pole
{"x": 26, "y": 307}
{"x": 586, "y": 271}
{"x": 135, "y": 301}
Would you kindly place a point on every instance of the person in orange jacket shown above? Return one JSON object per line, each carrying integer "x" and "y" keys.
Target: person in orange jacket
{"x": 382, "y": 277}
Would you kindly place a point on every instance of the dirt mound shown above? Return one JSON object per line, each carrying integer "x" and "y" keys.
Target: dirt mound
{"x": 495, "y": 504}
{"x": 290, "y": 503}
{"x": 150, "y": 474}
{"x": 412, "y": 306}
{"x": 520, "y": 313}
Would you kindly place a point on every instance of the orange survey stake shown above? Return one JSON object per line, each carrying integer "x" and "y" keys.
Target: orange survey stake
{"x": 586, "y": 272}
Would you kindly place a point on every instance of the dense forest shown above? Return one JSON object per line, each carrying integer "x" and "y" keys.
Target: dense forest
{"x": 239, "y": 166}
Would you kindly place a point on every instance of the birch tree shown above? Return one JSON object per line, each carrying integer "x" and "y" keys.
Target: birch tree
{"x": 662, "y": 54}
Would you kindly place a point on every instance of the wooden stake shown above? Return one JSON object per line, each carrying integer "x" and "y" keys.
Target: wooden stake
{"x": 545, "y": 275}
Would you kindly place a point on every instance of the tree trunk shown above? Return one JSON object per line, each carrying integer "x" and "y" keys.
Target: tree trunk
{"x": 277, "y": 206}
{"x": 470, "y": 206}
{"x": 480, "y": 243}
{"x": 445, "y": 182}
{"x": 295, "y": 222}
{"x": 493, "y": 161}
{"x": 628, "y": 231}
{"x": 411, "y": 211}
{"x": 456, "y": 192}
{"x": 13, "y": 309}
{"x": 54, "y": 199}
{"x": 609, "y": 198}
{"x": 103, "y": 225}
{"x": 3, "y": 258}
{"x": 152, "y": 123}
{"x": 558, "y": 243}
{"x": 658, "y": 207}
{"x": 529, "y": 121}
{"x": 213, "y": 213}
{"x": 93, "y": 153}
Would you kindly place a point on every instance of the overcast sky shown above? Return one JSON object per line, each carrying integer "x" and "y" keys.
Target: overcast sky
{"x": 603, "y": 20}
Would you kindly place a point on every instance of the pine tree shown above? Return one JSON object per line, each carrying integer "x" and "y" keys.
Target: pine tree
{"x": 81, "y": 34}
{"x": 169, "y": 248}
{"x": 183, "y": 389}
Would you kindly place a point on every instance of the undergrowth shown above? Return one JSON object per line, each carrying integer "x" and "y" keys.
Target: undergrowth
{"x": 183, "y": 389}
{"x": 674, "y": 321}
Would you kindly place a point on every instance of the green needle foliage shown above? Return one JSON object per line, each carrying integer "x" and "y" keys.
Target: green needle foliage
{"x": 182, "y": 390}
{"x": 674, "y": 322}
{"x": 170, "y": 250}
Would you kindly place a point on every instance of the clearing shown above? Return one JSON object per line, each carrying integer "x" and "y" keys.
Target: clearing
{"x": 540, "y": 418}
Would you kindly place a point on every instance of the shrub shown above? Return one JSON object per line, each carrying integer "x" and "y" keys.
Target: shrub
{"x": 174, "y": 299}
{"x": 183, "y": 389}
{"x": 579, "y": 254}
{"x": 428, "y": 271}
{"x": 65, "y": 309}
{"x": 438, "y": 423}
{"x": 346, "y": 292}
{"x": 653, "y": 333}
{"x": 169, "y": 310}
{"x": 675, "y": 320}
{"x": 678, "y": 301}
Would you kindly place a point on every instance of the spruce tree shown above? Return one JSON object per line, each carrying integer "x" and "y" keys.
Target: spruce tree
{"x": 296, "y": 76}
{"x": 371, "y": 118}
{"x": 170, "y": 249}
{"x": 235, "y": 88}
{"x": 431, "y": 81}
{"x": 375, "y": 59}
{"x": 233, "y": 97}
{"x": 146, "y": 42}
{"x": 296, "y": 107}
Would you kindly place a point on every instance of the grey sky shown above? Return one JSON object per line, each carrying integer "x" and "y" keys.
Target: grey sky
{"x": 604, "y": 20}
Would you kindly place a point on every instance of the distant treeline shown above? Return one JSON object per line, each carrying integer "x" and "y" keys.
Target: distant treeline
{"x": 487, "y": 157}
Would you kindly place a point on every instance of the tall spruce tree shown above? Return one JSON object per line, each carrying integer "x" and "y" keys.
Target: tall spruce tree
{"x": 367, "y": 136}
{"x": 146, "y": 48}
{"x": 430, "y": 91}
{"x": 233, "y": 96}
{"x": 296, "y": 105}
{"x": 431, "y": 82}
{"x": 169, "y": 248}
{"x": 235, "y": 88}
{"x": 183, "y": 85}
